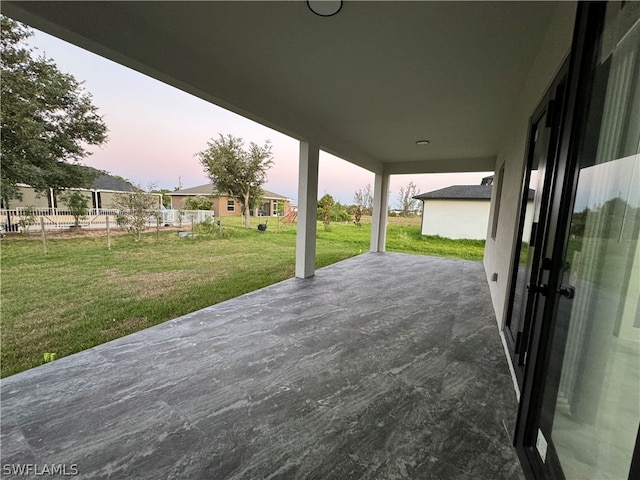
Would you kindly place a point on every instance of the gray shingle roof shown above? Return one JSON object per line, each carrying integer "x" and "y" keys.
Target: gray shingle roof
{"x": 273, "y": 196}
{"x": 207, "y": 189}
{"x": 468, "y": 192}
{"x": 463, "y": 192}
{"x": 105, "y": 181}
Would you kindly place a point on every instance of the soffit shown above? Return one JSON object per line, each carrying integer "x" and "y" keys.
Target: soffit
{"x": 365, "y": 84}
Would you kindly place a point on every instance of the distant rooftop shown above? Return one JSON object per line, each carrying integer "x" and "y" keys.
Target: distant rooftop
{"x": 207, "y": 189}
{"x": 470, "y": 192}
{"x": 463, "y": 192}
{"x": 104, "y": 181}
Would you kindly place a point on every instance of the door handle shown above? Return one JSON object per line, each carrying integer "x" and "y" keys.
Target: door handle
{"x": 541, "y": 289}
{"x": 567, "y": 291}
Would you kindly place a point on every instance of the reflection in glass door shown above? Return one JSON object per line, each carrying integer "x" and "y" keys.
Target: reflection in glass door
{"x": 590, "y": 413}
{"x": 527, "y": 261}
{"x": 526, "y": 258}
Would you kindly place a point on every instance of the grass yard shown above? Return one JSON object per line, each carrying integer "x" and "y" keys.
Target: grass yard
{"x": 80, "y": 294}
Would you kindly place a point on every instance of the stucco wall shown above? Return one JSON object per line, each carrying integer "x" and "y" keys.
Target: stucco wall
{"x": 220, "y": 207}
{"x": 108, "y": 199}
{"x": 455, "y": 218}
{"x": 30, "y": 198}
{"x": 60, "y": 197}
{"x": 554, "y": 49}
{"x": 462, "y": 218}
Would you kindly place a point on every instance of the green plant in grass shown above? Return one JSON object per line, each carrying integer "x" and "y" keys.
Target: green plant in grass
{"x": 205, "y": 227}
{"x": 49, "y": 357}
{"x": 211, "y": 229}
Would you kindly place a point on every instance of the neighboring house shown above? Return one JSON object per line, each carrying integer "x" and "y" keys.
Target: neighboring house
{"x": 49, "y": 205}
{"x": 224, "y": 206}
{"x": 101, "y": 195}
{"x": 461, "y": 211}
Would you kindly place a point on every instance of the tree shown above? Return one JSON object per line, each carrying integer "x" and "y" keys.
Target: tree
{"x": 357, "y": 216}
{"x": 325, "y": 204}
{"x": 406, "y": 203}
{"x": 134, "y": 210}
{"x": 237, "y": 172}
{"x": 78, "y": 205}
{"x": 199, "y": 202}
{"x": 364, "y": 198}
{"x": 47, "y": 120}
{"x": 330, "y": 210}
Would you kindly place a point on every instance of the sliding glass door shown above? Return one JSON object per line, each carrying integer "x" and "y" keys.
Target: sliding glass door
{"x": 581, "y": 415}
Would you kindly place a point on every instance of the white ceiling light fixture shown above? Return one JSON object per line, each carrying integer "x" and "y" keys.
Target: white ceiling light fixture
{"x": 423, "y": 142}
{"x": 324, "y": 8}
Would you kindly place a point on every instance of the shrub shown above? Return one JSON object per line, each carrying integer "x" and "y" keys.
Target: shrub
{"x": 78, "y": 205}
{"x": 135, "y": 210}
{"x": 28, "y": 219}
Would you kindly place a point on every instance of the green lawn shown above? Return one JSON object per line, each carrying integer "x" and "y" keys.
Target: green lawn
{"x": 81, "y": 294}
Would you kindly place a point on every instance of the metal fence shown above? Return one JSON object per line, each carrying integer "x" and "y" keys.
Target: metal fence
{"x": 179, "y": 218}
{"x": 23, "y": 219}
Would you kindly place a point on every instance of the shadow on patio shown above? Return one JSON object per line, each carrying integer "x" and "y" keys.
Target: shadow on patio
{"x": 382, "y": 366}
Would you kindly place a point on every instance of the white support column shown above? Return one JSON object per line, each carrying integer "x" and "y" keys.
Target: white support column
{"x": 379, "y": 218}
{"x": 307, "y": 210}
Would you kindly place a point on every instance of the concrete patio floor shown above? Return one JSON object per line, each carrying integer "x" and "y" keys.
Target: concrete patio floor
{"x": 383, "y": 366}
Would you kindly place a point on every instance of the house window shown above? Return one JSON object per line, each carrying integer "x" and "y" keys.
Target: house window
{"x": 496, "y": 204}
{"x": 231, "y": 206}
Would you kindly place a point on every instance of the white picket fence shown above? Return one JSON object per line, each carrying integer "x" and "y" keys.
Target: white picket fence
{"x": 19, "y": 219}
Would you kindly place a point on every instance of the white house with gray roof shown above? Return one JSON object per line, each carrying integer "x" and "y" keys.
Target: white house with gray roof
{"x": 461, "y": 211}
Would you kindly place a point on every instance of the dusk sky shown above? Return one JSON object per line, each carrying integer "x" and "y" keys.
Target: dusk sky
{"x": 155, "y": 130}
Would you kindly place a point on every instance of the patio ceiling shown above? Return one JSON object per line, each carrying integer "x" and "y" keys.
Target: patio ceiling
{"x": 365, "y": 84}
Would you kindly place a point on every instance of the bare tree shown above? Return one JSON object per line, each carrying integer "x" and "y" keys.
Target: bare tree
{"x": 364, "y": 198}
{"x": 406, "y": 202}
{"x": 135, "y": 209}
{"x": 368, "y": 198}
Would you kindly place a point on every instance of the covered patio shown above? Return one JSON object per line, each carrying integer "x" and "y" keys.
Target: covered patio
{"x": 382, "y": 366}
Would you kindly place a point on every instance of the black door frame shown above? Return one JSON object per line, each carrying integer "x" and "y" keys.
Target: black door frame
{"x": 553, "y": 106}
{"x": 586, "y": 37}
